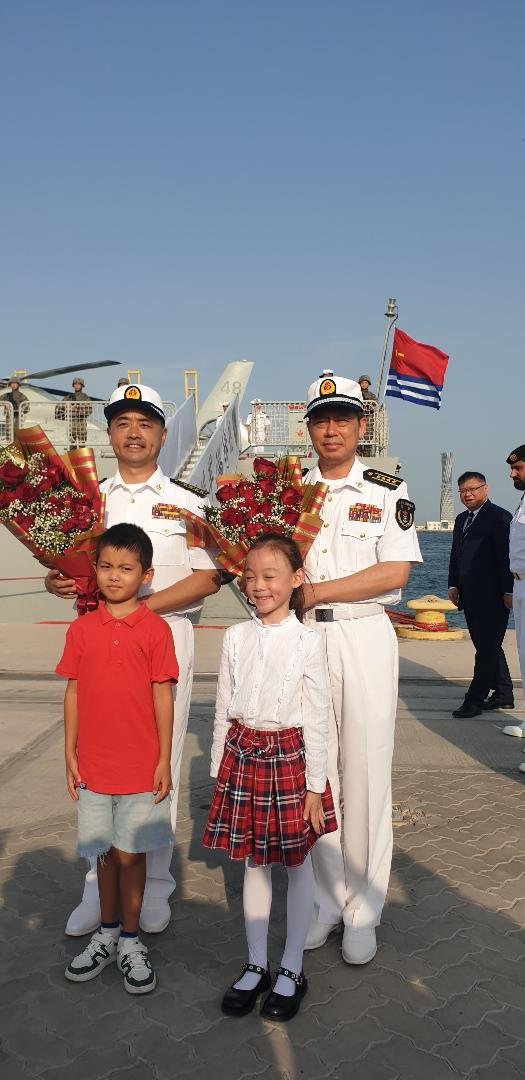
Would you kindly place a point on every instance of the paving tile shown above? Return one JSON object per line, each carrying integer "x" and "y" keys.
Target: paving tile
{"x": 414, "y": 1064}
{"x": 474, "y": 1047}
{"x": 93, "y": 1065}
{"x": 424, "y": 1031}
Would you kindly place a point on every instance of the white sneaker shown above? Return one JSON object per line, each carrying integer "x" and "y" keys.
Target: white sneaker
{"x": 359, "y": 946}
{"x": 99, "y": 952}
{"x": 155, "y": 915}
{"x": 318, "y": 933}
{"x": 518, "y": 730}
{"x": 132, "y": 961}
{"x": 522, "y": 766}
{"x": 84, "y": 919}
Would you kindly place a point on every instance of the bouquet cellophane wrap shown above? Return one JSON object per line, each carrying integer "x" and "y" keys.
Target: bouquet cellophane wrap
{"x": 79, "y": 469}
{"x": 202, "y": 533}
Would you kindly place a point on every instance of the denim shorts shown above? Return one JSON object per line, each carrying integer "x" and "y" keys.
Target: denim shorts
{"x": 133, "y": 823}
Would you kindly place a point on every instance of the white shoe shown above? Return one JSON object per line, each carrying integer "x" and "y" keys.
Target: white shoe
{"x": 359, "y": 946}
{"x": 155, "y": 915}
{"x": 522, "y": 766}
{"x": 84, "y": 919}
{"x": 518, "y": 730}
{"x": 318, "y": 933}
{"x": 132, "y": 961}
{"x": 99, "y": 952}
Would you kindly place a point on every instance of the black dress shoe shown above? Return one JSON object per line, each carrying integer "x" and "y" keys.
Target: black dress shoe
{"x": 466, "y": 711}
{"x": 279, "y": 1007}
{"x": 239, "y": 1002}
{"x": 495, "y": 702}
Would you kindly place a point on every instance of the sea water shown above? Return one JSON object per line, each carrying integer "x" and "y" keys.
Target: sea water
{"x": 431, "y": 576}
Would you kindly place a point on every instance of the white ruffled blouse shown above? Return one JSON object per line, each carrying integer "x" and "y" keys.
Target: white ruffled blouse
{"x": 275, "y": 676}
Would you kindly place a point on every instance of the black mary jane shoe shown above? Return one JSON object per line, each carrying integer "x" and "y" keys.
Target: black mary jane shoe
{"x": 239, "y": 1002}
{"x": 277, "y": 1006}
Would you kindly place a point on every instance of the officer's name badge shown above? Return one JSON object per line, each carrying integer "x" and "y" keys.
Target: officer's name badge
{"x": 165, "y": 510}
{"x": 365, "y": 512}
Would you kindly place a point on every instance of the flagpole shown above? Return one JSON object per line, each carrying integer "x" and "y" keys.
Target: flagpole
{"x": 392, "y": 315}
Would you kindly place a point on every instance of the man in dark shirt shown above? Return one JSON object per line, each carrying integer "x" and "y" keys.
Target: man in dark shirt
{"x": 480, "y": 583}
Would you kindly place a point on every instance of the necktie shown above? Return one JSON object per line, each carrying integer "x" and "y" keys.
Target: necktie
{"x": 468, "y": 522}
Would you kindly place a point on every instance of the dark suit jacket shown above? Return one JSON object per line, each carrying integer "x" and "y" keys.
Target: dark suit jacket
{"x": 479, "y": 561}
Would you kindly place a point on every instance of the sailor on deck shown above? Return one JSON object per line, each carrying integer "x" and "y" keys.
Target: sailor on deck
{"x": 183, "y": 577}
{"x": 358, "y": 563}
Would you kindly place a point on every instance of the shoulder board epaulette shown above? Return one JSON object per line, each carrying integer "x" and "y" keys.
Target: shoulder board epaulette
{"x": 383, "y": 478}
{"x": 190, "y": 487}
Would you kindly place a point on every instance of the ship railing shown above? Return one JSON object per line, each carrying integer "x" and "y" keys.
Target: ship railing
{"x": 66, "y": 423}
{"x": 278, "y": 426}
{"x": 7, "y": 423}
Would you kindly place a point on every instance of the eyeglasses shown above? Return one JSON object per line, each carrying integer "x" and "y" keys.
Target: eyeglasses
{"x": 470, "y": 491}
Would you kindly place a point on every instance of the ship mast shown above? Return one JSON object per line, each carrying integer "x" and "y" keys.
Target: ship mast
{"x": 391, "y": 315}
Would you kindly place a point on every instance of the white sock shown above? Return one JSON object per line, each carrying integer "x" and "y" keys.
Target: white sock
{"x": 113, "y": 929}
{"x": 257, "y": 902}
{"x": 299, "y": 911}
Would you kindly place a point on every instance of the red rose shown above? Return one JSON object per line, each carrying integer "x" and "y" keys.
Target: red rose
{"x": 6, "y": 497}
{"x": 291, "y": 517}
{"x": 263, "y": 467}
{"x": 264, "y": 508}
{"x": 231, "y": 516}
{"x": 45, "y": 484}
{"x": 266, "y": 487}
{"x": 290, "y": 496}
{"x": 69, "y": 525}
{"x": 24, "y": 521}
{"x": 254, "y": 528}
{"x": 245, "y": 490}
{"x": 12, "y": 474}
{"x": 275, "y": 529}
{"x": 26, "y": 493}
{"x": 226, "y": 493}
{"x": 55, "y": 474}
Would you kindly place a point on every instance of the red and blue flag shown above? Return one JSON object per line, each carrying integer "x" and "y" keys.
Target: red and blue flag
{"x": 417, "y": 372}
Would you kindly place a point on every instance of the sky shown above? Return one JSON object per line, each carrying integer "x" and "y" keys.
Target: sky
{"x": 187, "y": 183}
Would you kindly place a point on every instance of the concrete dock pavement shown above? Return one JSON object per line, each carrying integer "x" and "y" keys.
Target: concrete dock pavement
{"x": 444, "y": 996}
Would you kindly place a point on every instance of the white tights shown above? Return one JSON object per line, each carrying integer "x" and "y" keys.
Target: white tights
{"x": 257, "y": 902}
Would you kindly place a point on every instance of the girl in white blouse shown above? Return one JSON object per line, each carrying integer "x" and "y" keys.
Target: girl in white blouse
{"x": 269, "y": 755}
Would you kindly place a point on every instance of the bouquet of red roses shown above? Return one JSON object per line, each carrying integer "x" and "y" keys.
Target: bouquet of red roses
{"x": 275, "y": 500}
{"x": 53, "y": 505}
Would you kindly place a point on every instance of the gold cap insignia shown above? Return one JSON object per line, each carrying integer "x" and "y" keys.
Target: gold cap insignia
{"x": 133, "y": 392}
{"x": 327, "y": 387}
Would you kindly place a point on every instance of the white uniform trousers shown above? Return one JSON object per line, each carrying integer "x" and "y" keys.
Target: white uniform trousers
{"x": 159, "y": 881}
{"x": 352, "y": 866}
{"x": 518, "y": 605}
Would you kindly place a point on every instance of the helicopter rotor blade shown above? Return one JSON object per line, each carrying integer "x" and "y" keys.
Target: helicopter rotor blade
{"x": 48, "y": 374}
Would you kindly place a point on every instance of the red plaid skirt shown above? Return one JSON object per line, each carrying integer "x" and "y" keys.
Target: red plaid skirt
{"x": 257, "y": 805}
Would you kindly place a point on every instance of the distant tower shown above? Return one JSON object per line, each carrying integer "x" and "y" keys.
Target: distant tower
{"x": 446, "y": 501}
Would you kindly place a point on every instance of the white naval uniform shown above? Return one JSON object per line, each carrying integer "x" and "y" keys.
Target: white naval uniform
{"x": 173, "y": 561}
{"x": 517, "y": 566}
{"x": 352, "y": 869}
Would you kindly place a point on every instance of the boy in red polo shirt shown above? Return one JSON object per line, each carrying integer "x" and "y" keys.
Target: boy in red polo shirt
{"x": 118, "y": 714}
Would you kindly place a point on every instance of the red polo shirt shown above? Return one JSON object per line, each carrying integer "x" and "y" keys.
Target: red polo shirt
{"x": 115, "y": 662}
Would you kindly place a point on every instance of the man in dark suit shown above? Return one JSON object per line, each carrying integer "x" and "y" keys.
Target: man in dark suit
{"x": 480, "y": 583}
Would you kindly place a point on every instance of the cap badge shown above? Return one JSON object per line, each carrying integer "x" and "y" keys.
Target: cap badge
{"x": 513, "y": 458}
{"x": 133, "y": 392}
{"x": 327, "y": 387}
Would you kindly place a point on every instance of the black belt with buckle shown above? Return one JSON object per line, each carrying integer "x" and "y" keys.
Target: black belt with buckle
{"x": 324, "y": 614}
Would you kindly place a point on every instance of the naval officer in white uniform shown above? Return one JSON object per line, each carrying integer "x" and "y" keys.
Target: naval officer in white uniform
{"x": 359, "y": 562}
{"x": 183, "y": 577}
{"x": 516, "y": 460}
